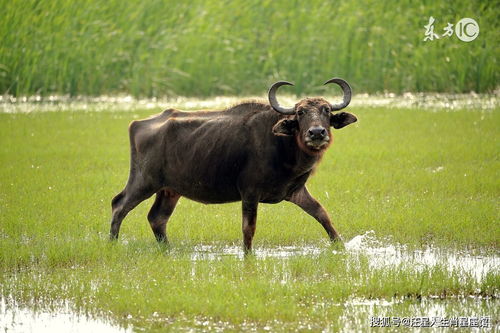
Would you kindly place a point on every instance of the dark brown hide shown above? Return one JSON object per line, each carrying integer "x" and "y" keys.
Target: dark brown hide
{"x": 247, "y": 153}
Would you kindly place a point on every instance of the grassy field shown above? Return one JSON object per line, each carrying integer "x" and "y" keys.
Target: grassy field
{"x": 415, "y": 177}
{"x": 202, "y": 48}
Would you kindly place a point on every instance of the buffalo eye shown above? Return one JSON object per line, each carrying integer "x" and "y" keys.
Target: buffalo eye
{"x": 326, "y": 109}
{"x": 300, "y": 112}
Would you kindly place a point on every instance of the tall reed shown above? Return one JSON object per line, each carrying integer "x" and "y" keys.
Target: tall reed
{"x": 204, "y": 48}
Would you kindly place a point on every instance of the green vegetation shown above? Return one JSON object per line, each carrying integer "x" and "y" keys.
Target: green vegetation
{"x": 420, "y": 178}
{"x": 202, "y": 48}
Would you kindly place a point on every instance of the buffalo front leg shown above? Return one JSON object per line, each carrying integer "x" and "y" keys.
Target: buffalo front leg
{"x": 123, "y": 203}
{"x": 304, "y": 200}
{"x": 249, "y": 209}
{"x": 160, "y": 212}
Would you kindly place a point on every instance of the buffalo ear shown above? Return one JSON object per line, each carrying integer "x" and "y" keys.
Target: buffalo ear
{"x": 286, "y": 127}
{"x": 339, "y": 120}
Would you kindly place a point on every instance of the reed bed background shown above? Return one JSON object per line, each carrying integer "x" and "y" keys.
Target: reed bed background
{"x": 206, "y": 48}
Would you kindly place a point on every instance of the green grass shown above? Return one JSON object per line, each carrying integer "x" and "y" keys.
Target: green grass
{"x": 202, "y": 48}
{"x": 416, "y": 177}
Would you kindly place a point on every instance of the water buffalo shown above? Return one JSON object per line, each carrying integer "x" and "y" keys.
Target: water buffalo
{"x": 252, "y": 152}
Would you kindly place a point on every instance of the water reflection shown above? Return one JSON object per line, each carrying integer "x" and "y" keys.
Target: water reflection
{"x": 386, "y": 254}
{"x": 355, "y": 315}
{"x": 420, "y": 315}
{"x": 15, "y": 318}
{"x": 380, "y": 253}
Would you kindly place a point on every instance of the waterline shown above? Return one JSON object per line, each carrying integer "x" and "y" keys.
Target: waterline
{"x": 425, "y": 101}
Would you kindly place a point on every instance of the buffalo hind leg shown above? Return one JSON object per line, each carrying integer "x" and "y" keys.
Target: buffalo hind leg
{"x": 123, "y": 203}
{"x": 249, "y": 209}
{"x": 304, "y": 200}
{"x": 161, "y": 211}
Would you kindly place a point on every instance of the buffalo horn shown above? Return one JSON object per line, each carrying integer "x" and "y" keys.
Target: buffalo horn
{"x": 347, "y": 93}
{"x": 274, "y": 102}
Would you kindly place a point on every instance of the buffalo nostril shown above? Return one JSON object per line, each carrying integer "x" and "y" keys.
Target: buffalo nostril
{"x": 323, "y": 132}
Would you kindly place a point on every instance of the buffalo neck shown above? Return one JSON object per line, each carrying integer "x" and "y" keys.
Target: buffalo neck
{"x": 298, "y": 159}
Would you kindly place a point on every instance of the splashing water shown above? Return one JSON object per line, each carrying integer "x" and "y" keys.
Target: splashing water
{"x": 355, "y": 311}
{"x": 380, "y": 253}
{"x": 385, "y": 254}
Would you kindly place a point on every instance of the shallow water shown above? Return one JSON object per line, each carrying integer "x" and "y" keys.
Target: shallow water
{"x": 385, "y": 253}
{"x": 424, "y": 101}
{"x": 420, "y": 315}
{"x": 355, "y": 314}
{"x": 16, "y": 318}
{"x": 380, "y": 253}
{"x": 361, "y": 315}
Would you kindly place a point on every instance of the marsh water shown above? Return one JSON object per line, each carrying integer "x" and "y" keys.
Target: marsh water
{"x": 380, "y": 253}
{"x": 357, "y": 313}
{"x": 17, "y": 318}
{"x": 423, "y": 101}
